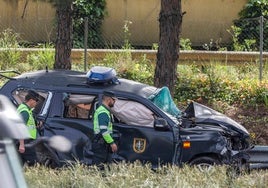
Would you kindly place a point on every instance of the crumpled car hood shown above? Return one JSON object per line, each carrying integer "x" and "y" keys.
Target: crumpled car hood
{"x": 204, "y": 114}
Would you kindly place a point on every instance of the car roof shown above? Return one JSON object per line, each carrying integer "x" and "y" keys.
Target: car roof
{"x": 70, "y": 78}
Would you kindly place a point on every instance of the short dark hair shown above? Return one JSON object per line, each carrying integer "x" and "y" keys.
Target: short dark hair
{"x": 32, "y": 95}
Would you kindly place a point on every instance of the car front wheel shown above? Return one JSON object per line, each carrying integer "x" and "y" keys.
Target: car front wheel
{"x": 205, "y": 164}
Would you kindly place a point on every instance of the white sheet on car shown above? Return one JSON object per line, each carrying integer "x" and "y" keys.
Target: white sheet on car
{"x": 133, "y": 113}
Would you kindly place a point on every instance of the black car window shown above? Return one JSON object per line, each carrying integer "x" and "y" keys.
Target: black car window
{"x": 133, "y": 113}
{"x": 79, "y": 106}
{"x": 20, "y": 94}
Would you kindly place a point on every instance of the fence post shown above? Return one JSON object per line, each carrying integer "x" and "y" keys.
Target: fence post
{"x": 261, "y": 47}
{"x": 85, "y": 43}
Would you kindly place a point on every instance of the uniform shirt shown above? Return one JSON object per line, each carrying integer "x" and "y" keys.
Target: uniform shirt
{"x": 25, "y": 116}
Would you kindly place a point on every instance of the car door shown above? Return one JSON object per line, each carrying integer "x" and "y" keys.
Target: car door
{"x": 139, "y": 140}
{"x": 70, "y": 117}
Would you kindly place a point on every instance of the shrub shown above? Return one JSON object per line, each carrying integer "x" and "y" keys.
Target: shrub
{"x": 42, "y": 58}
{"x": 9, "y": 54}
{"x": 95, "y": 12}
{"x": 247, "y": 27}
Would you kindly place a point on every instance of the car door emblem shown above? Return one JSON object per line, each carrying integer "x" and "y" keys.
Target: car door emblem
{"x": 139, "y": 145}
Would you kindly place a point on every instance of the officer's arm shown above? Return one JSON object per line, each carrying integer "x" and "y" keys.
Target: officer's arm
{"x": 25, "y": 117}
{"x": 103, "y": 123}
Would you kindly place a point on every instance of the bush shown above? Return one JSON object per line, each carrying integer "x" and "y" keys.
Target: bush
{"x": 210, "y": 82}
{"x": 247, "y": 28}
{"x": 232, "y": 85}
{"x": 95, "y": 12}
{"x": 43, "y": 58}
{"x": 9, "y": 54}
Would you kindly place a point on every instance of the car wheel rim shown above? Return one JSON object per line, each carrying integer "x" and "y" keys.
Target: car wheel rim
{"x": 205, "y": 167}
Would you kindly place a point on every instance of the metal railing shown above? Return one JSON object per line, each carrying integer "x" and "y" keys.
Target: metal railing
{"x": 259, "y": 157}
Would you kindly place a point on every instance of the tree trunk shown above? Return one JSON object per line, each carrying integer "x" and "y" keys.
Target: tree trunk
{"x": 170, "y": 19}
{"x": 63, "y": 46}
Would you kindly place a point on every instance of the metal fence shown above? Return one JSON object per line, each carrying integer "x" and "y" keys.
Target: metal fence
{"x": 245, "y": 35}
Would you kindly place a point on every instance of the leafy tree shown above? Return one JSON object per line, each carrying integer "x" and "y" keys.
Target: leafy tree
{"x": 248, "y": 24}
{"x": 95, "y": 12}
{"x": 170, "y": 19}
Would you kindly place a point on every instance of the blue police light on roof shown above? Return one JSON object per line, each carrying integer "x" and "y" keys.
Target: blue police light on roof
{"x": 102, "y": 75}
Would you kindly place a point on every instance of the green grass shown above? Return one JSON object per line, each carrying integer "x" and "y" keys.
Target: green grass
{"x": 137, "y": 175}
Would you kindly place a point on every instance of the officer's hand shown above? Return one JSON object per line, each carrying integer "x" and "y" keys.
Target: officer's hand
{"x": 39, "y": 124}
{"x": 114, "y": 147}
{"x": 21, "y": 148}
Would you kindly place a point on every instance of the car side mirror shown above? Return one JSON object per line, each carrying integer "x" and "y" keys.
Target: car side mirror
{"x": 161, "y": 124}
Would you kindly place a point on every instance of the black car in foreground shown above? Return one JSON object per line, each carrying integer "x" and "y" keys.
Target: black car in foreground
{"x": 147, "y": 125}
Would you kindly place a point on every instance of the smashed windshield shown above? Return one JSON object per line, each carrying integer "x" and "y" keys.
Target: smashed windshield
{"x": 162, "y": 98}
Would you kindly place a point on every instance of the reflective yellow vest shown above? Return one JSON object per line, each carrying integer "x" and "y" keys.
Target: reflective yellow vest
{"x": 105, "y": 130}
{"x": 31, "y": 122}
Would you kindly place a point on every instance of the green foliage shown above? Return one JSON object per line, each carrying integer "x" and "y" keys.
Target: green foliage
{"x": 9, "y": 54}
{"x": 127, "y": 34}
{"x": 155, "y": 46}
{"x": 185, "y": 44}
{"x": 255, "y": 8}
{"x": 209, "y": 82}
{"x": 241, "y": 44}
{"x": 232, "y": 85}
{"x": 95, "y": 12}
{"x": 214, "y": 45}
{"x": 139, "y": 69}
{"x": 42, "y": 58}
{"x": 249, "y": 26}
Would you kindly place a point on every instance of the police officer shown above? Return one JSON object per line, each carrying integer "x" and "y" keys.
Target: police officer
{"x": 25, "y": 110}
{"x": 103, "y": 142}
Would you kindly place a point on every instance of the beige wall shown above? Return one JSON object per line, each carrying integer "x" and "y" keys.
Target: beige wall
{"x": 209, "y": 19}
{"x": 35, "y": 22}
{"x": 204, "y": 19}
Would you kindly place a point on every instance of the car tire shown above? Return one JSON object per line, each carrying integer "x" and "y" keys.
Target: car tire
{"x": 205, "y": 163}
{"x": 235, "y": 170}
{"x": 45, "y": 157}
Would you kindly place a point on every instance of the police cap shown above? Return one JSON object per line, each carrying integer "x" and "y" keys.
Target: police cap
{"x": 109, "y": 94}
{"x": 32, "y": 95}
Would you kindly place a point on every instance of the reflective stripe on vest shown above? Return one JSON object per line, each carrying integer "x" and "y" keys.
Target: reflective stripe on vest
{"x": 97, "y": 128}
{"x": 31, "y": 122}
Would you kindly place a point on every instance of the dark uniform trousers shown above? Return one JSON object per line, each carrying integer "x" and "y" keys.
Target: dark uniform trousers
{"x": 29, "y": 156}
{"x": 102, "y": 150}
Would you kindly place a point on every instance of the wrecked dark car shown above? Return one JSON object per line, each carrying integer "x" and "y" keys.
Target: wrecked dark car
{"x": 147, "y": 124}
